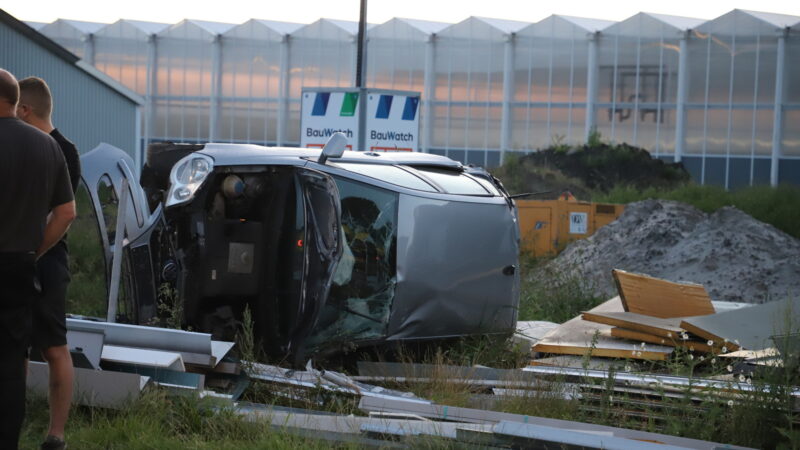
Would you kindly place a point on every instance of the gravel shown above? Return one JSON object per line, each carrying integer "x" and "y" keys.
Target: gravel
{"x": 736, "y": 257}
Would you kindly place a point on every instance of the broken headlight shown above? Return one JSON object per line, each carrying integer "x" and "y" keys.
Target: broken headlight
{"x": 186, "y": 177}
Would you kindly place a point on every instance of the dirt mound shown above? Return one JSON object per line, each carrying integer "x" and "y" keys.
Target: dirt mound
{"x": 736, "y": 257}
{"x": 581, "y": 170}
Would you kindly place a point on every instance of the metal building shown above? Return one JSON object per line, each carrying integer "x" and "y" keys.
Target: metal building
{"x": 722, "y": 96}
{"x": 89, "y": 106}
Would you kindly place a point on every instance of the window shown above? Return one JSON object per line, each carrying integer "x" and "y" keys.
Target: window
{"x": 390, "y": 174}
{"x": 454, "y": 182}
{"x": 364, "y": 283}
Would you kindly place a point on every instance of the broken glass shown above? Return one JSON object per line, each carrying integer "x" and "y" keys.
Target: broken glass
{"x": 363, "y": 286}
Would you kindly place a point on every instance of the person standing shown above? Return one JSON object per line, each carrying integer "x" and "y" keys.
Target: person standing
{"x": 38, "y": 207}
{"x": 49, "y": 320}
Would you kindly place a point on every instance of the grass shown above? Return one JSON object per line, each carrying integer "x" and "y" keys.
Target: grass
{"x": 87, "y": 290}
{"x": 158, "y": 421}
{"x": 552, "y": 296}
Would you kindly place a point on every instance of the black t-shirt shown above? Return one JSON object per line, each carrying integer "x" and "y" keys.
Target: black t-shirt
{"x": 33, "y": 180}
{"x": 70, "y": 156}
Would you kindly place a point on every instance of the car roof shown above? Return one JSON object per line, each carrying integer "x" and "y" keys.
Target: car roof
{"x": 248, "y": 154}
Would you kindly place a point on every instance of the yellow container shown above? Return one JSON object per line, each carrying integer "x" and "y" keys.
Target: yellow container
{"x": 547, "y": 226}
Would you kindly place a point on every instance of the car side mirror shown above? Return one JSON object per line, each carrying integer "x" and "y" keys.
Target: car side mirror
{"x": 334, "y": 148}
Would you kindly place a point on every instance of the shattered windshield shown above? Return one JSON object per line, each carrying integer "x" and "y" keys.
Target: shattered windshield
{"x": 363, "y": 286}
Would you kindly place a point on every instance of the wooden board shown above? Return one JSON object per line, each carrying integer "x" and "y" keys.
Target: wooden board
{"x": 747, "y": 328}
{"x": 655, "y": 297}
{"x": 580, "y": 337}
{"x": 691, "y": 345}
{"x": 666, "y": 328}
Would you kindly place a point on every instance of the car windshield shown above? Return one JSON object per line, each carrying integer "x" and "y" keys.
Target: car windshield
{"x": 364, "y": 283}
{"x": 453, "y": 182}
{"x": 391, "y": 174}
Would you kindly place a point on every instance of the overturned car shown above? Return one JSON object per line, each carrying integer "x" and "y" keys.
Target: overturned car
{"x": 329, "y": 250}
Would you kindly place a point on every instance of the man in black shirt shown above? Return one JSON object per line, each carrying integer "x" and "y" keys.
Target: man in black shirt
{"x": 34, "y": 182}
{"x": 49, "y": 324}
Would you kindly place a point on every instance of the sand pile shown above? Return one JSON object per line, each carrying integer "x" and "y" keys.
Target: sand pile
{"x": 736, "y": 257}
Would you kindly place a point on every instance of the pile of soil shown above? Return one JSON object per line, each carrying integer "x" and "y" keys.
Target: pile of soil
{"x": 736, "y": 257}
{"x": 604, "y": 166}
{"x": 583, "y": 170}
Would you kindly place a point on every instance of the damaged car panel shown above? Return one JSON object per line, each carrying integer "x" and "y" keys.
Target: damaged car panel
{"x": 329, "y": 254}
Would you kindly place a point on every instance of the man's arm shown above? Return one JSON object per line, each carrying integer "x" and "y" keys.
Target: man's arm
{"x": 57, "y": 224}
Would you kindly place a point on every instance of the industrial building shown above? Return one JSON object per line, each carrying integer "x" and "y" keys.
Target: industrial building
{"x": 90, "y": 107}
{"x": 722, "y": 96}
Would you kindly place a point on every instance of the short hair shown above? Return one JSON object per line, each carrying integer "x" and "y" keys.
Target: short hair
{"x": 9, "y": 88}
{"x": 34, "y": 92}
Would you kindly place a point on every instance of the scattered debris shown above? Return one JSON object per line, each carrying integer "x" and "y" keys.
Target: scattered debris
{"x": 581, "y": 337}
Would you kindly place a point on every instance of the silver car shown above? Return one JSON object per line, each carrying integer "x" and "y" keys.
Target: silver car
{"x": 357, "y": 250}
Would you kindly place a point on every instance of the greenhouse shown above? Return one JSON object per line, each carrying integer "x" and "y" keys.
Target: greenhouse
{"x": 721, "y": 96}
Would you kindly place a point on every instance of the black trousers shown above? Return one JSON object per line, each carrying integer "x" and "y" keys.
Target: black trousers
{"x": 18, "y": 288}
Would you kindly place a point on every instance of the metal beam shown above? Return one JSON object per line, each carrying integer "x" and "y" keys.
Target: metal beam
{"x": 146, "y": 337}
{"x": 479, "y": 416}
{"x": 777, "y": 115}
{"x": 429, "y": 92}
{"x": 508, "y": 94}
{"x": 216, "y": 88}
{"x": 151, "y": 89}
{"x": 591, "y": 86}
{"x": 101, "y": 388}
{"x": 283, "y": 94}
{"x": 680, "y": 101}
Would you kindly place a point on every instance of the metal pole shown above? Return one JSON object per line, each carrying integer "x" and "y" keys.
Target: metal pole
{"x": 680, "y": 101}
{"x": 777, "y": 117}
{"x": 117, "y": 255}
{"x": 283, "y": 92}
{"x": 88, "y": 48}
{"x": 216, "y": 88}
{"x": 591, "y": 86}
{"x": 150, "y": 89}
{"x": 361, "y": 65}
{"x": 361, "y": 57}
{"x": 508, "y": 95}
{"x": 429, "y": 93}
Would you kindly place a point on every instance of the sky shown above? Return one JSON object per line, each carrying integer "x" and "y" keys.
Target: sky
{"x": 378, "y": 11}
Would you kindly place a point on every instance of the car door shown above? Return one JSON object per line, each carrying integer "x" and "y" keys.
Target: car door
{"x": 323, "y": 249}
{"x": 106, "y": 170}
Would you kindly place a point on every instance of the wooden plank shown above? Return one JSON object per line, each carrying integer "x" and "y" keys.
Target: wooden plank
{"x": 579, "y": 337}
{"x": 691, "y": 345}
{"x": 667, "y": 328}
{"x": 747, "y": 328}
{"x": 655, "y": 297}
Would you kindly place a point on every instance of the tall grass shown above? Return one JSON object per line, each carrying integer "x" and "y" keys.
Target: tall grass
{"x": 552, "y": 296}
{"x": 158, "y": 421}
{"x": 778, "y": 206}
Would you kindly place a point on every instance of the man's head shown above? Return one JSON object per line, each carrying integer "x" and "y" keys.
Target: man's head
{"x": 35, "y": 102}
{"x": 9, "y": 94}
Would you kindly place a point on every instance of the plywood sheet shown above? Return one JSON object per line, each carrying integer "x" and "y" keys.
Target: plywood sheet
{"x": 666, "y": 328}
{"x": 691, "y": 345}
{"x": 580, "y": 337}
{"x": 747, "y": 328}
{"x": 655, "y": 297}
